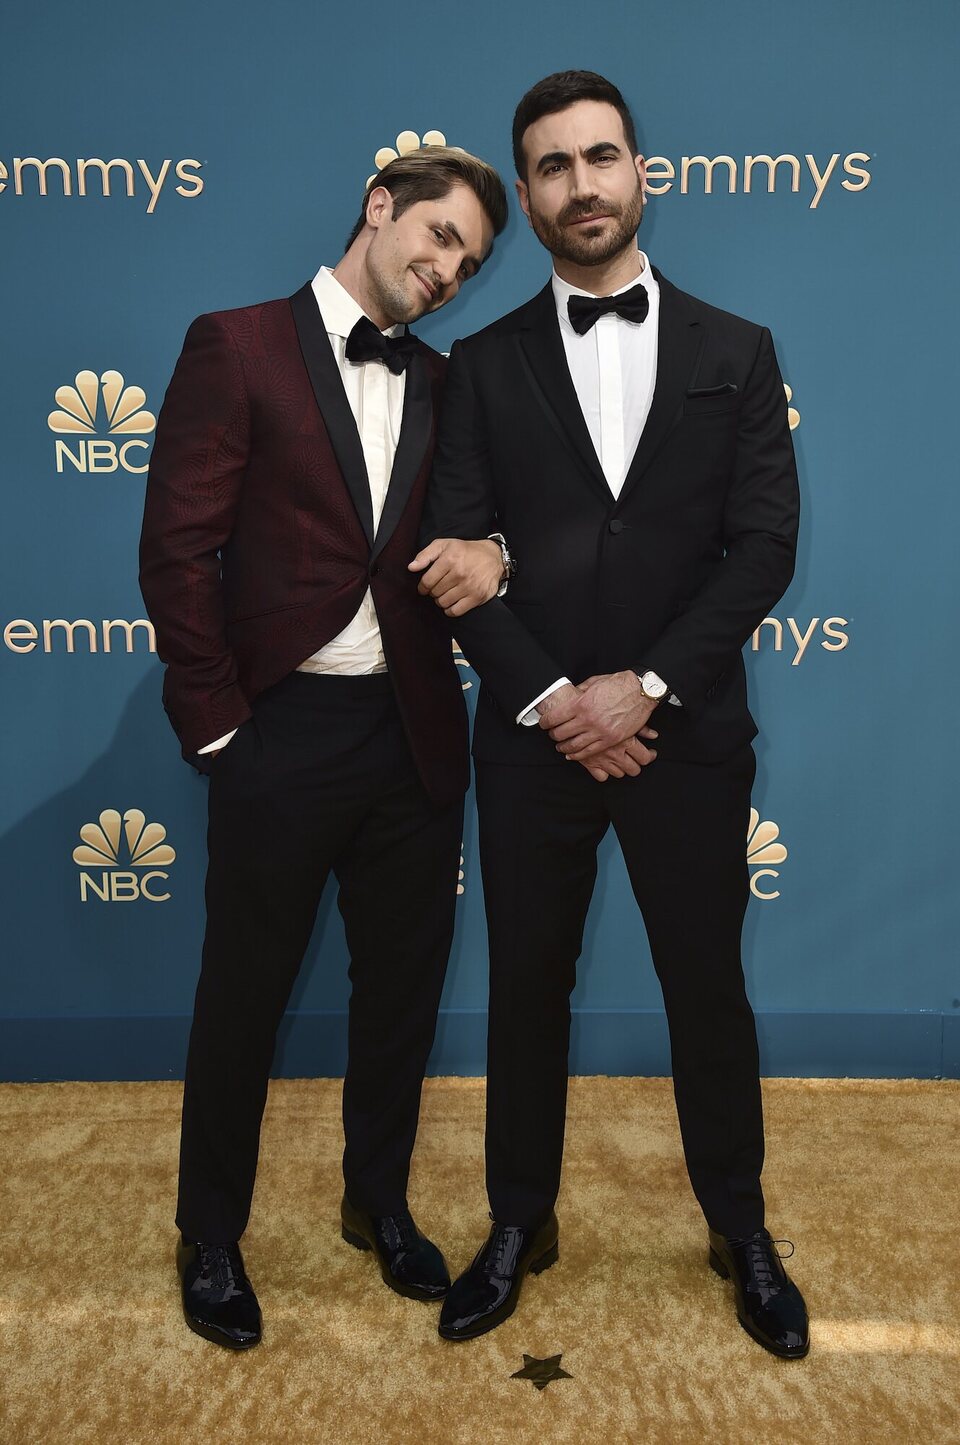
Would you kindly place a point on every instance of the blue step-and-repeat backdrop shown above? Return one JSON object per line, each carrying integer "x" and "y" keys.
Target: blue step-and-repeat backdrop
{"x": 160, "y": 162}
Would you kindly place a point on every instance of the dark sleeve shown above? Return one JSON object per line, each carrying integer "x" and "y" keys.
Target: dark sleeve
{"x": 760, "y": 538}
{"x": 193, "y": 491}
{"x": 461, "y": 502}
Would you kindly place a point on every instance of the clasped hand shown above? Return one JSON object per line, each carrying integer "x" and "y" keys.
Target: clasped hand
{"x": 600, "y": 724}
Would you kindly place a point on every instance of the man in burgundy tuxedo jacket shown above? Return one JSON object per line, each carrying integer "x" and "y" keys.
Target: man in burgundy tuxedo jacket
{"x": 317, "y": 687}
{"x": 633, "y": 443}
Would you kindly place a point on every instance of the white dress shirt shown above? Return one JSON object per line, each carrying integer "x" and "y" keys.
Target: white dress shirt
{"x": 613, "y": 367}
{"x": 375, "y": 395}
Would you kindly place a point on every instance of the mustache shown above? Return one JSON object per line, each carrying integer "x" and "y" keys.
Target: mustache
{"x": 576, "y": 211}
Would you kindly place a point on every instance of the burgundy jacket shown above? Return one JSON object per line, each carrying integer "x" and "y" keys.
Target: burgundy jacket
{"x": 258, "y": 540}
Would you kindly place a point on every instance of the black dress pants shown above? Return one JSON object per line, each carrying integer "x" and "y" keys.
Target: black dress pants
{"x": 319, "y": 779}
{"x": 682, "y": 829}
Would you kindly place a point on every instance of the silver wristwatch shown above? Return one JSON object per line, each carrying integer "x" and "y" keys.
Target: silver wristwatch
{"x": 509, "y": 565}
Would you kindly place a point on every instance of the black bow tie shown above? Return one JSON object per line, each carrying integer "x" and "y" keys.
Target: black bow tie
{"x": 585, "y": 311}
{"x": 366, "y": 343}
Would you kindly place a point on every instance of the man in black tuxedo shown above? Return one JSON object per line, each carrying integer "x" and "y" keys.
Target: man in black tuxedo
{"x": 632, "y": 444}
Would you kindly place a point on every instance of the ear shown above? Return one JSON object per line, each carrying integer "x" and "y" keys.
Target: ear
{"x": 379, "y": 207}
{"x": 641, "y": 166}
{"x": 523, "y": 196}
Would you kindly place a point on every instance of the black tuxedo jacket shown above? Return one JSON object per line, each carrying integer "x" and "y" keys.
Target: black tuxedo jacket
{"x": 673, "y": 575}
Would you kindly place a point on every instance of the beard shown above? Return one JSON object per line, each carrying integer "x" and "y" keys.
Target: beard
{"x": 393, "y": 297}
{"x": 589, "y": 245}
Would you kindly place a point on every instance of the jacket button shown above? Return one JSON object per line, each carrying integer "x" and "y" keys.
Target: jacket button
{"x": 616, "y": 527}
{"x": 375, "y": 570}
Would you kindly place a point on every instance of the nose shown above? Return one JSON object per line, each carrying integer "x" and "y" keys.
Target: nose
{"x": 446, "y": 268}
{"x": 581, "y": 181}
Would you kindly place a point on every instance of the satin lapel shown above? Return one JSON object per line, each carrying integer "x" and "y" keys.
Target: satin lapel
{"x": 550, "y": 380}
{"x": 332, "y": 400}
{"x": 415, "y": 429}
{"x": 678, "y": 351}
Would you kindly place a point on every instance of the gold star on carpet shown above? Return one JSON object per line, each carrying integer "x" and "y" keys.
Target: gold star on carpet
{"x": 541, "y": 1372}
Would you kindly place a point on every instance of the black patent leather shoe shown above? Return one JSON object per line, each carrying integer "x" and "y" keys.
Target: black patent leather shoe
{"x": 488, "y": 1292}
{"x": 409, "y": 1262}
{"x": 218, "y": 1299}
{"x": 769, "y": 1306}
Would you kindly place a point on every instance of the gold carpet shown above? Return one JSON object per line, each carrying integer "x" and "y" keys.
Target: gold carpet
{"x": 864, "y": 1176}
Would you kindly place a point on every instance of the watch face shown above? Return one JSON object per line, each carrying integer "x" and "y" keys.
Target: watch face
{"x": 652, "y": 685}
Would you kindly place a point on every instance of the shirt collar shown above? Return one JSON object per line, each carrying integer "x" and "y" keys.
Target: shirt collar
{"x": 339, "y": 310}
{"x": 562, "y": 290}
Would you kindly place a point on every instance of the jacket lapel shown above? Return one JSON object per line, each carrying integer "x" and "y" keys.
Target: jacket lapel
{"x": 332, "y": 400}
{"x": 545, "y": 363}
{"x": 679, "y": 344}
{"x": 415, "y": 429}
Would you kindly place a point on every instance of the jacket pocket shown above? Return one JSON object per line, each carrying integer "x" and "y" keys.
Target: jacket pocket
{"x": 248, "y": 616}
{"x": 725, "y": 388}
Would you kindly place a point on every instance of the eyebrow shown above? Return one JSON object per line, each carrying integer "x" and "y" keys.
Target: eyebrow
{"x": 451, "y": 230}
{"x": 590, "y": 154}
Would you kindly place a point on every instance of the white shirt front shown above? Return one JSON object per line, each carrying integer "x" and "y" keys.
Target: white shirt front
{"x": 375, "y": 395}
{"x": 614, "y": 370}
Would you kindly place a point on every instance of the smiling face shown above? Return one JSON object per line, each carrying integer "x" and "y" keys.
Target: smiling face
{"x": 417, "y": 262}
{"x": 583, "y": 194}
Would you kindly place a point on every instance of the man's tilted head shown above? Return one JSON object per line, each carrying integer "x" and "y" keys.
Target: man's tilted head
{"x": 427, "y": 225}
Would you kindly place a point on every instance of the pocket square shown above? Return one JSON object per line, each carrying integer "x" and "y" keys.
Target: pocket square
{"x": 726, "y": 388}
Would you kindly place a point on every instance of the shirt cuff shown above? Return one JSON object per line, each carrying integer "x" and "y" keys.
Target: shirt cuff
{"x": 220, "y": 743}
{"x": 530, "y": 717}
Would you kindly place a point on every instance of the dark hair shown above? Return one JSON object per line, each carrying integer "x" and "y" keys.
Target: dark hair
{"x": 429, "y": 174}
{"x": 559, "y": 91}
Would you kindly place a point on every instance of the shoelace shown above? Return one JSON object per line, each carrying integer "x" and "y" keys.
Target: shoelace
{"x": 498, "y": 1246}
{"x": 758, "y": 1255}
{"x": 217, "y": 1265}
{"x": 403, "y": 1228}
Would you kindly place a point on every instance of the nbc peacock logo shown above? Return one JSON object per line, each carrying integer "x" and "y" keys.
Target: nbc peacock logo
{"x": 406, "y": 141}
{"x": 116, "y": 845}
{"x": 763, "y": 850}
{"x": 93, "y": 404}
